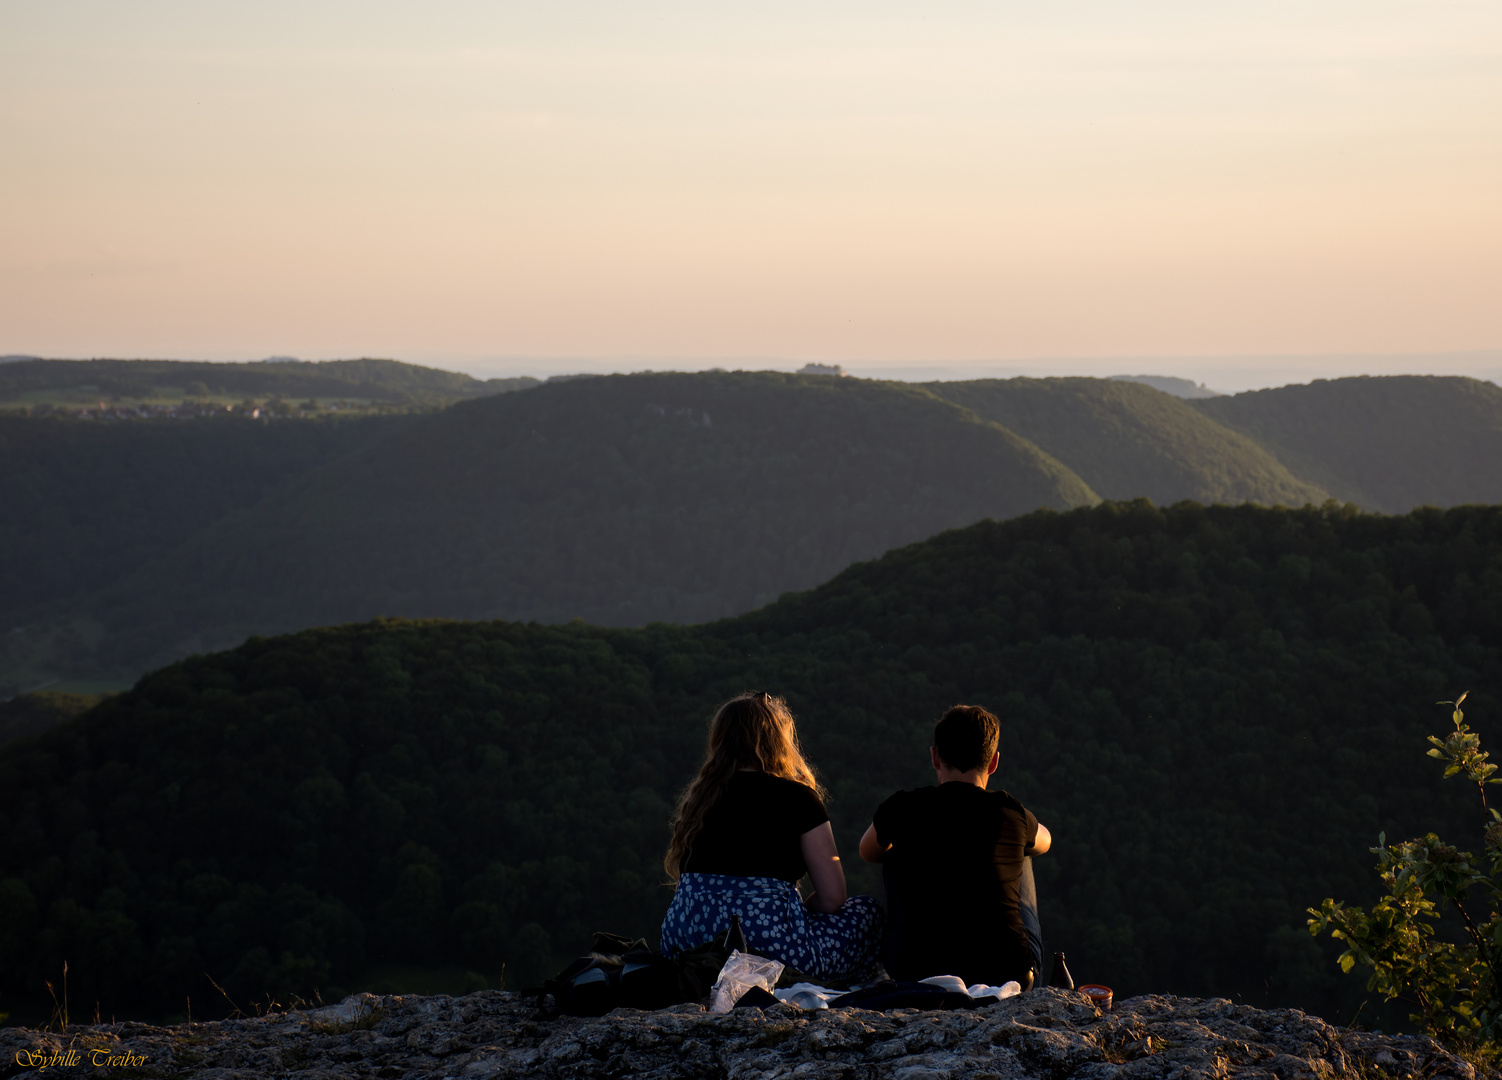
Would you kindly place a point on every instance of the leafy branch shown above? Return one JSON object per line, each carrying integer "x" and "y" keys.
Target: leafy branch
{"x": 1453, "y": 986}
{"x": 1462, "y": 750}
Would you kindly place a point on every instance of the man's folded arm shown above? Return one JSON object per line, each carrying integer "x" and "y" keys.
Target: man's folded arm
{"x": 1041, "y": 843}
{"x": 873, "y": 850}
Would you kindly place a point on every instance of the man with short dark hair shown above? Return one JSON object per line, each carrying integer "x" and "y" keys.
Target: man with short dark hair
{"x": 956, "y": 859}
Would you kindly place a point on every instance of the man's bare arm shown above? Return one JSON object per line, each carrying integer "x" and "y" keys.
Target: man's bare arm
{"x": 872, "y": 849}
{"x": 1043, "y": 842}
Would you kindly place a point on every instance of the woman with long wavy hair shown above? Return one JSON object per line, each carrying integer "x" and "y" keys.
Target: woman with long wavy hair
{"x": 746, "y": 829}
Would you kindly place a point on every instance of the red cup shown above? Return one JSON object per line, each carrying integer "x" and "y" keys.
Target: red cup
{"x": 1099, "y": 996}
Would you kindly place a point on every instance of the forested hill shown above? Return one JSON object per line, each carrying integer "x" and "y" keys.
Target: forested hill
{"x": 1215, "y": 710}
{"x": 619, "y": 500}
{"x": 126, "y": 545}
{"x": 1388, "y": 443}
{"x": 1128, "y": 440}
{"x": 378, "y": 380}
{"x": 89, "y": 503}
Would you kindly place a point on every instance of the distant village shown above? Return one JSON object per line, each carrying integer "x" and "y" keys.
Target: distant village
{"x": 275, "y": 409}
{"x": 196, "y": 403}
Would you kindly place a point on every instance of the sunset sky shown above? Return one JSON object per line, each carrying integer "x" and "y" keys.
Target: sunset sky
{"x": 497, "y": 186}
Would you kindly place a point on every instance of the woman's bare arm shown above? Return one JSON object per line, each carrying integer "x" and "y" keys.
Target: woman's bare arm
{"x": 824, "y": 869}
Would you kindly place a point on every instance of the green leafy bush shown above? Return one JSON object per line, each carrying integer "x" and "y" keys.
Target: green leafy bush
{"x": 1449, "y": 977}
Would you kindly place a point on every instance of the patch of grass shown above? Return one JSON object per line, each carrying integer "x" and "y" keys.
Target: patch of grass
{"x": 1483, "y": 1057}
{"x": 775, "y": 1034}
{"x": 400, "y": 979}
{"x": 1359, "y": 1069}
{"x": 1129, "y": 1046}
{"x": 366, "y": 1021}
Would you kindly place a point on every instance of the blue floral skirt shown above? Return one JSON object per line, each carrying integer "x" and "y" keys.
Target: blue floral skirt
{"x": 839, "y": 946}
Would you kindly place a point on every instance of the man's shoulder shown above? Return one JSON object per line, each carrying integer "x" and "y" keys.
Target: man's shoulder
{"x": 966, "y": 794}
{"x": 903, "y": 804}
{"x": 908, "y": 796}
{"x": 1006, "y": 800}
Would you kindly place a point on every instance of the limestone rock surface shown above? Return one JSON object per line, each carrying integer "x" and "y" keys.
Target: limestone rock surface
{"x": 1045, "y": 1034}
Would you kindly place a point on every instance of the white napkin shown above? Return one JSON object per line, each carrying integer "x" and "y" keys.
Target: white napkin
{"x": 976, "y": 990}
{"x": 807, "y": 995}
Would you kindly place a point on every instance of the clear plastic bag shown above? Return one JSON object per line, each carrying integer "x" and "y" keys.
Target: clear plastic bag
{"x": 740, "y": 973}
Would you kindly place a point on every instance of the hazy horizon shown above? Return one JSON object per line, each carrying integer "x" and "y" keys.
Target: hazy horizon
{"x": 1227, "y": 375}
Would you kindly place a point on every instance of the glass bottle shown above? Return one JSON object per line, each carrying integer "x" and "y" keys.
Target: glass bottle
{"x": 1061, "y": 976}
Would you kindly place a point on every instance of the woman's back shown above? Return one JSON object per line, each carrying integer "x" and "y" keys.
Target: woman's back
{"x": 755, "y": 828}
{"x": 747, "y": 827}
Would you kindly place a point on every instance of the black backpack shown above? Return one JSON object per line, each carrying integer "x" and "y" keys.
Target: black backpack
{"x": 623, "y": 973}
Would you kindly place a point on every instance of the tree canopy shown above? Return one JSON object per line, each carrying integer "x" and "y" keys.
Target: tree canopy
{"x": 1389, "y": 443}
{"x": 630, "y": 499}
{"x": 1213, "y": 709}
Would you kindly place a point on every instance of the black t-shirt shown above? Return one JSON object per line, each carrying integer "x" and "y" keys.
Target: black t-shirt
{"x": 754, "y": 829}
{"x": 952, "y": 882}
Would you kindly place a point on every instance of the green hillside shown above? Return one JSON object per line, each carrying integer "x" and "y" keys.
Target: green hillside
{"x": 620, "y": 500}
{"x": 87, "y": 503}
{"x": 130, "y": 544}
{"x": 31, "y": 714}
{"x": 66, "y": 381}
{"x": 1388, "y": 443}
{"x": 1128, "y": 440}
{"x": 1215, "y": 710}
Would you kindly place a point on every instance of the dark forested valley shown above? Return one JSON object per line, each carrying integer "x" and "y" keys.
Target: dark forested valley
{"x": 621, "y": 500}
{"x": 1215, "y": 709}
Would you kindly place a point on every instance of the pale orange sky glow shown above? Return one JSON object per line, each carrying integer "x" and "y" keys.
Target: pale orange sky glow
{"x": 465, "y": 184}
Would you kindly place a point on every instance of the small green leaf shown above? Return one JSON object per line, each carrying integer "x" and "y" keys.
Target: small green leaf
{"x": 1347, "y": 962}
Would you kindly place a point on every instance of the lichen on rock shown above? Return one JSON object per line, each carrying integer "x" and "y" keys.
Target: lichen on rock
{"x": 1045, "y": 1034}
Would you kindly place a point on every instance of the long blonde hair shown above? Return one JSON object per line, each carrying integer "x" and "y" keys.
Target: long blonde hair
{"x": 750, "y": 731}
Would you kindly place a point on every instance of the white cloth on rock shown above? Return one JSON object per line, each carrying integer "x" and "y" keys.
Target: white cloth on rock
{"x": 813, "y": 996}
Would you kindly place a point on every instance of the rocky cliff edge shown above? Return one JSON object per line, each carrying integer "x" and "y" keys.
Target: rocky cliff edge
{"x": 1045, "y": 1034}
